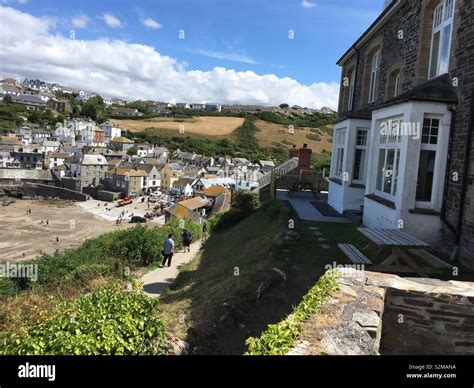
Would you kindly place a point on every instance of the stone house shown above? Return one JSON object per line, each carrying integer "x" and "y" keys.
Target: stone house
{"x": 86, "y": 170}
{"x": 126, "y": 181}
{"x": 402, "y": 149}
{"x": 121, "y": 144}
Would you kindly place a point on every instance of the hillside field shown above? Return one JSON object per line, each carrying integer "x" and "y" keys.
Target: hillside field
{"x": 200, "y": 125}
{"x": 273, "y": 135}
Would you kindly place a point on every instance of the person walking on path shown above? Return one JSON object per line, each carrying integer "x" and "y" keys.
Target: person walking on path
{"x": 187, "y": 239}
{"x": 204, "y": 232}
{"x": 168, "y": 250}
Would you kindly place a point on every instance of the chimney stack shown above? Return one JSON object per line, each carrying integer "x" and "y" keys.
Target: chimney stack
{"x": 294, "y": 153}
{"x": 304, "y": 157}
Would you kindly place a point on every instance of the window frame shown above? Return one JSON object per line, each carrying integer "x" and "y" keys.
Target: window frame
{"x": 374, "y": 73}
{"x": 387, "y": 145}
{"x": 440, "y": 28}
{"x": 339, "y": 152}
{"x": 430, "y": 147}
{"x": 350, "y": 103}
{"x": 362, "y": 147}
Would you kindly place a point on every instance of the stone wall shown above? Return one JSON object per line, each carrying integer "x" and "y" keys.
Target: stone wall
{"x": 376, "y": 313}
{"x": 33, "y": 189}
{"x": 393, "y": 51}
{"x": 425, "y": 323}
{"x": 464, "y": 73}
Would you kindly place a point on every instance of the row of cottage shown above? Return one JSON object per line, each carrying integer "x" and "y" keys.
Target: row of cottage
{"x": 105, "y": 169}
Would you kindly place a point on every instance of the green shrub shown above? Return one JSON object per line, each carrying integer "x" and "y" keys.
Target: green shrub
{"x": 313, "y": 136}
{"x": 8, "y": 287}
{"x": 103, "y": 256}
{"x": 111, "y": 321}
{"x": 245, "y": 202}
{"x": 280, "y": 338}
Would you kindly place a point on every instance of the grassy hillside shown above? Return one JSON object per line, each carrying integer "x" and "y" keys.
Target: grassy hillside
{"x": 213, "y": 127}
{"x": 213, "y": 303}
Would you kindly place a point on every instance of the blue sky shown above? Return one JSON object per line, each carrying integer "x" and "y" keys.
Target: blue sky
{"x": 240, "y": 35}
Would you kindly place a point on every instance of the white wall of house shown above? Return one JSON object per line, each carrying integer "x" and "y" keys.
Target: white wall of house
{"x": 348, "y": 194}
{"x": 406, "y": 214}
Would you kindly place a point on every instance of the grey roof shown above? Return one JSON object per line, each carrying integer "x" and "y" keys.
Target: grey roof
{"x": 25, "y": 174}
{"x": 27, "y": 99}
{"x": 183, "y": 181}
{"x": 93, "y": 159}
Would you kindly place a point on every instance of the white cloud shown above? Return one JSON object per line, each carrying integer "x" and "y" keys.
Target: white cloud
{"x": 80, "y": 21}
{"x": 235, "y": 57}
{"x": 115, "y": 68}
{"x": 14, "y": 1}
{"x": 308, "y": 4}
{"x": 150, "y": 23}
{"x": 111, "y": 20}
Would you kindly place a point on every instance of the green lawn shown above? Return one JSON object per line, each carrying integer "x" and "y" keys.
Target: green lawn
{"x": 193, "y": 307}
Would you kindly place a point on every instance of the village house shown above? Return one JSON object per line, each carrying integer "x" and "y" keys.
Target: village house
{"x": 153, "y": 181}
{"x": 169, "y": 175}
{"x": 193, "y": 209}
{"x": 126, "y": 181}
{"x": 402, "y": 141}
{"x": 93, "y": 136}
{"x": 86, "y": 170}
{"x": 183, "y": 186}
{"x": 121, "y": 144}
{"x": 201, "y": 184}
{"x": 111, "y": 131}
{"x": 55, "y": 159}
{"x": 126, "y": 112}
{"x": 29, "y": 156}
{"x": 61, "y": 105}
{"x": 161, "y": 153}
{"x": 30, "y": 102}
{"x": 8, "y": 161}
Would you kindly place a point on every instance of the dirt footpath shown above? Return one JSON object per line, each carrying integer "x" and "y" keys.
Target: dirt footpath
{"x": 23, "y": 236}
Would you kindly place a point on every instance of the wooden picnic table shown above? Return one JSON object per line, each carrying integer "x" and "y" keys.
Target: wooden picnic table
{"x": 400, "y": 244}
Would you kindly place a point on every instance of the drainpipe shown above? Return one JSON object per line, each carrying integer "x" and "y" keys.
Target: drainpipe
{"x": 457, "y": 230}
{"x": 450, "y": 226}
{"x": 465, "y": 174}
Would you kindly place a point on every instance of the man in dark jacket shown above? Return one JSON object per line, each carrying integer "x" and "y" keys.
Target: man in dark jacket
{"x": 187, "y": 239}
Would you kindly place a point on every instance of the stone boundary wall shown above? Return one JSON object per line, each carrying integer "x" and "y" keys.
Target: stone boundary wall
{"x": 376, "y": 313}
{"x": 34, "y": 189}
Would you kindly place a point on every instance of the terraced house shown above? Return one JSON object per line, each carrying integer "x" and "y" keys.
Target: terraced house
{"x": 402, "y": 149}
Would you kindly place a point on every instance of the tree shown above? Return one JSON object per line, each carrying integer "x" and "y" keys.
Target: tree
{"x": 7, "y": 99}
{"x": 132, "y": 151}
{"x": 284, "y": 106}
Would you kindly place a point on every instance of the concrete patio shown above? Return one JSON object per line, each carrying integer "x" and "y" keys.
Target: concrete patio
{"x": 301, "y": 203}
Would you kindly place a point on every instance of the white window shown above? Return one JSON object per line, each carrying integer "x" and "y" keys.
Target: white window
{"x": 358, "y": 175}
{"x": 389, "y": 159}
{"x": 351, "y": 90}
{"x": 374, "y": 73}
{"x": 441, "y": 38}
{"x": 427, "y": 162}
{"x": 340, "y": 140}
{"x": 397, "y": 85}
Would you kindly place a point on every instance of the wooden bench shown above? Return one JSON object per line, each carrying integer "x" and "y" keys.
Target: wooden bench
{"x": 356, "y": 256}
{"x": 430, "y": 258}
